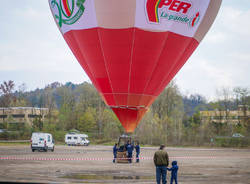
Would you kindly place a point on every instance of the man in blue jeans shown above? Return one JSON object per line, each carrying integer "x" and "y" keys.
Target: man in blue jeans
{"x": 161, "y": 161}
{"x": 115, "y": 149}
{"x": 130, "y": 149}
{"x": 137, "y": 148}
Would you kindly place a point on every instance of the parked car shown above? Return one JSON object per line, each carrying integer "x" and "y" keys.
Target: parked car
{"x": 42, "y": 141}
{"x": 237, "y": 135}
{"x": 75, "y": 139}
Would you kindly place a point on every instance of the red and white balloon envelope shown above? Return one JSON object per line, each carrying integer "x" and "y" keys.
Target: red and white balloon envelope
{"x": 131, "y": 49}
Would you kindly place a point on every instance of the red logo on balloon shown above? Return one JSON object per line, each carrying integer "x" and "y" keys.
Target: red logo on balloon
{"x": 195, "y": 20}
{"x": 153, "y": 6}
{"x": 68, "y": 9}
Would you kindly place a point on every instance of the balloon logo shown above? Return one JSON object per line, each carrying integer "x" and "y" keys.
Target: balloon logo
{"x": 132, "y": 49}
{"x": 153, "y": 7}
{"x": 65, "y": 8}
{"x": 195, "y": 20}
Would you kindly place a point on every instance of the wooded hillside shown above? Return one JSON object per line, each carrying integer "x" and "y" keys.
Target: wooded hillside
{"x": 173, "y": 119}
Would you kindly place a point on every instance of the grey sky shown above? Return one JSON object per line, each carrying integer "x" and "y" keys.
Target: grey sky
{"x": 32, "y": 50}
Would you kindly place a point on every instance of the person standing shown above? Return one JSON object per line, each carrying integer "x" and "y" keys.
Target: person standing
{"x": 174, "y": 171}
{"x": 130, "y": 148}
{"x": 115, "y": 149}
{"x": 161, "y": 162}
{"x": 137, "y": 149}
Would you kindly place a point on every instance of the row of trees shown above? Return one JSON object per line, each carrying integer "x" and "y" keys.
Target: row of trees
{"x": 173, "y": 118}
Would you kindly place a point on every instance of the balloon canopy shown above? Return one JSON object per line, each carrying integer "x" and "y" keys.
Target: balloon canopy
{"x": 131, "y": 49}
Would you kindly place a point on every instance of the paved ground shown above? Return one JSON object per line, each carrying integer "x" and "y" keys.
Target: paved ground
{"x": 93, "y": 164}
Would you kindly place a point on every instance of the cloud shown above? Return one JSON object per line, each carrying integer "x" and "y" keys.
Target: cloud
{"x": 216, "y": 37}
{"x": 235, "y": 20}
{"x": 32, "y": 41}
{"x": 231, "y": 26}
{"x": 201, "y": 70}
{"x": 243, "y": 57}
{"x": 32, "y": 49}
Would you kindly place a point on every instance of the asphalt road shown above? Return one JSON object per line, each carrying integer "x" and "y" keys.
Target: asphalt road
{"x": 93, "y": 164}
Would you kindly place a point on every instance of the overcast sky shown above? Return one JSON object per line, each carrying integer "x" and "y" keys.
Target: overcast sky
{"x": 32, "y": 50}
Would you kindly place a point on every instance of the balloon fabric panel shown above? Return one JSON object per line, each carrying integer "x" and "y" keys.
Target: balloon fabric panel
{"x": 129, "y": 118}
{"x": 71, "y": 39}
{"x": 116, "y": 46}
{"x": 188, "y": 52}
{"x": 173, "y": 53}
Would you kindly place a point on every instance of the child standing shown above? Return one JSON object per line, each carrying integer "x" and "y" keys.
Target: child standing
{"x": 174, "y": 170}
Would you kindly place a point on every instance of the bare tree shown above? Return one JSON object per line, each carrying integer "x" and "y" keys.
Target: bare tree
{"x": 242, "y": 95}
{"x": 225, "y": 100}
{"x": 6, "y": 89}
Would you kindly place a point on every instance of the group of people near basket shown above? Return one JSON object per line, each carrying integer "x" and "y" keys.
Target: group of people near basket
{"x": 161, "y": 161}
{"x": 129, "y": 148}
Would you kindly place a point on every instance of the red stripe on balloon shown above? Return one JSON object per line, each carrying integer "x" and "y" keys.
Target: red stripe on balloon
{"x": 66, "y": 7}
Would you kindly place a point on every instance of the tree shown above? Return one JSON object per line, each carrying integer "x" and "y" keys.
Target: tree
{"x": 243, "y": 100}
{"x": 193, "y": 103}
{"x": 163, "y": 123}
{"x": 6, "y": 90}
{"x": 111, "y": 126}
{"x": 145, "y": 132}
{"x": 20, "y": 96}
{"x": 37, "y": 124}
{"x": 50, "y": 100}
{"x": 87, "y": 122}
{"x": 168, "y": 101}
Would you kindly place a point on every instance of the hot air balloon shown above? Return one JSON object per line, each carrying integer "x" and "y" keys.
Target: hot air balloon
{"x": 131, "y": 49}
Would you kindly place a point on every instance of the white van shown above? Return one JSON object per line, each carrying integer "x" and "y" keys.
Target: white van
{"x": 74, "y": 139}
{"x": 42, "y": 141}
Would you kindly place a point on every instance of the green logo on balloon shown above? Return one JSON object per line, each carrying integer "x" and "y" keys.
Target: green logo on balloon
{"x": 66, "y": 11}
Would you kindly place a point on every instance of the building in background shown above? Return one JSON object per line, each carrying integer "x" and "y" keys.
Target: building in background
{"x": 22, "y": 114}
{"x": 233, "y": 117}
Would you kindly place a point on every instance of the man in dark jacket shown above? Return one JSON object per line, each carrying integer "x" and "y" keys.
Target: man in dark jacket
{"x": 137, "y": 148}
{"x": 130, "y": 149}
{"x": 115, "y": 149}
{"x": 161, "y": 161}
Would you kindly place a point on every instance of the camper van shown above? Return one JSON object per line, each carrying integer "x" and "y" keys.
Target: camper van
{"x": 42, "y": 141}
{"x": 75, "y": 139}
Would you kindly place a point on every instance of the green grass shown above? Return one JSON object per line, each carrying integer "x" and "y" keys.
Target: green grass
{"x": 14, "y": 143}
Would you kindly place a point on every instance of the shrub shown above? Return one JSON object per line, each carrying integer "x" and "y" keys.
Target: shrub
{"x": 232, "y": 142}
